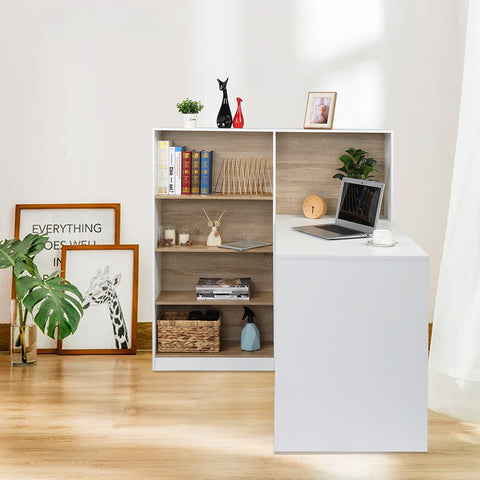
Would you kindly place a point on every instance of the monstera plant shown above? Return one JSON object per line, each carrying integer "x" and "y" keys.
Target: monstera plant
{"x": 53, "y": 302}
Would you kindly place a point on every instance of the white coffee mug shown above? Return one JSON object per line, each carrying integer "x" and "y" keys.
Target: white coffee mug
{"x": 382, "y": 237}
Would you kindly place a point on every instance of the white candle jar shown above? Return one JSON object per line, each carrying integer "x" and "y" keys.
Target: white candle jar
{"x": 169, "y": 235}
{"x": 185, "y": 237}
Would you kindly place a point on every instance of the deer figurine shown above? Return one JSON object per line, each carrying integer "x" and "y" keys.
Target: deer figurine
{"x": 214, "y": 238}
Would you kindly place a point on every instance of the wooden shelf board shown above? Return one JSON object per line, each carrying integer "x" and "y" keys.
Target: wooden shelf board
{"x": 214, "y": 196}
{"x": 205, "y": 249}
{"x": 189, "y": 298}
{"x": 228, "y": 349}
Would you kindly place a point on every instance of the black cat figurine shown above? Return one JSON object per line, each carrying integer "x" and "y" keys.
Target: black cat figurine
{"x": 224, "y": 117}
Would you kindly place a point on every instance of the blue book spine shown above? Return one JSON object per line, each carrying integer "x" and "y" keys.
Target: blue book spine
{"x": 206, "y": 158}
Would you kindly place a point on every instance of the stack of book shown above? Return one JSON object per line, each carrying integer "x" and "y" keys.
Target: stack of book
{"x": 223, "y": 289}
{"x": 182, "y": 171}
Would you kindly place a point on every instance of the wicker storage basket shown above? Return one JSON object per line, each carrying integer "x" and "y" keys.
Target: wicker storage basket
{"x": 176, "y": 333}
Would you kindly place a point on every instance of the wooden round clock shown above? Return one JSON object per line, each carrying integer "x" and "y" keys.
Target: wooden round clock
{"x": 314, "y": 207}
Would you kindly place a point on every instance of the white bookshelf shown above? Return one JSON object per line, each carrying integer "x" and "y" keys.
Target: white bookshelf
{"x": 315, "y": 157}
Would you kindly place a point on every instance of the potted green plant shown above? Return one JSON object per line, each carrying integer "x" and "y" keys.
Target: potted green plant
{"x": 49, "y": 301}
{"x": 356, "y": 165}
{"x": 190, "y": 109}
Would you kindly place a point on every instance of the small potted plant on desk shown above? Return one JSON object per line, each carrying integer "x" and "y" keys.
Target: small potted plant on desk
{"x": 48, "y": 301}
{"x": 356, "y": 165}
{"x": 190, "y": 109}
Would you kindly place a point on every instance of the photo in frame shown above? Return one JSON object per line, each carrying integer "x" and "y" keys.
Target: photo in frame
{"x": 66, "y": 224}
{"x": 320, "y": 110}
{"x": 107, "y": 277}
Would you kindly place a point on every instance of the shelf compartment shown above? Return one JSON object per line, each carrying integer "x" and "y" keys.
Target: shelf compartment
{"x": 205, "y": 249}
{"x": 307, "y": 163}
{"x": 242, "y": 220}
{"x": 190, "y": 298}
{"x": 181, "y": 272}
{"x": 214, "y": 196}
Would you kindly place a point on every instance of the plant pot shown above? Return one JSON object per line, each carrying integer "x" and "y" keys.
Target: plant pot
{"x": 23, "y": 337}
{"x": 189, "y": 120}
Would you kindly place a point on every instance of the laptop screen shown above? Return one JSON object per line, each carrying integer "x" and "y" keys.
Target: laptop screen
{"x": 359, "y": 203}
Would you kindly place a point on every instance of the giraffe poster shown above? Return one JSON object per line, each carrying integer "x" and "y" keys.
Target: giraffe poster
{"x": 107, "y": 276}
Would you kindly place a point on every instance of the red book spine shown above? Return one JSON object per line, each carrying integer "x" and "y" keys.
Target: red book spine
{"x": 186, "y": 172}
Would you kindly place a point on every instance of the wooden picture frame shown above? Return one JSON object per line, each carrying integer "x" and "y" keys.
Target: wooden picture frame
{"x": 320, "y": 110}
{"x": 70, "y": 223}
{"x": 107, "y": 276}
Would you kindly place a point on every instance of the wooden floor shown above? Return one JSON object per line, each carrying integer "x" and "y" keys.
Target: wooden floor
{"x": 111, "y": 417}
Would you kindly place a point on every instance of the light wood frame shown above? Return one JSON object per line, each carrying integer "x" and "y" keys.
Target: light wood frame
{"x": 133, "y": 331}
{"x": 314, "y": 117}
{"x": 19, "y": 208}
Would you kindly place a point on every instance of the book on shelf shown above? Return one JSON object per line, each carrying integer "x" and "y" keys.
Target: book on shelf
{"x": 178, "y": 170}
{"x": 244, "y": 245}
{"x": 206, "y": 161}
{"x": 223, "y": 296}
{"x": 195, "y": 181}
{"x": 223, "y": 286}
{"x": 171, "y": 170}
{"x": 186, "y": 171}
{"x": 162, "y": 166}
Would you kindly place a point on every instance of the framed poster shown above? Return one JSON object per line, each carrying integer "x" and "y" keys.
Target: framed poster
{"x": 66, "y": 224}
{"x": 107, "y": 276}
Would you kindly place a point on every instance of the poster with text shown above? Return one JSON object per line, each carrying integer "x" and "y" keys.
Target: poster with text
{"x": 66, "y": 224}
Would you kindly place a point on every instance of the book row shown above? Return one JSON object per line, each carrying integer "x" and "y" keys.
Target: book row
{"x": 182, "y": 171}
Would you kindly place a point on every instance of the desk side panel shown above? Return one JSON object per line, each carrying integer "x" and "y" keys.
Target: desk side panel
{"x": 351, "y": 355}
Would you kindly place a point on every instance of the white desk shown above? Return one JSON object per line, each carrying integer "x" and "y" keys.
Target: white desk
{"x": 351, "y": 326}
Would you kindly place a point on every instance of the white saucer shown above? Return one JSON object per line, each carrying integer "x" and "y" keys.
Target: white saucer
{"x": 384, "y": 245}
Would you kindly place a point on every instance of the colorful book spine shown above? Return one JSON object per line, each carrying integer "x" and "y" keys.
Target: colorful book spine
{"x": 186, "y": 171}
{"x": 195, "y": 183}
{"x": 178, "y": 170}
{"x": 162, "y": 167}
{"x": 206, "y": 172}
{"x": 171, "y": 171}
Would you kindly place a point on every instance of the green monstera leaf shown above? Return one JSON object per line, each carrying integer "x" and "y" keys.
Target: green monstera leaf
{"x": 19, "y": 254}
{"x": 11, "y": 252}
{"x": 30, "y": 246}
{"x": 52, "y": 301}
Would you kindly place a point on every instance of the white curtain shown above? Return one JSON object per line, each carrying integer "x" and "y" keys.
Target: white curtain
{"x": 454, "y": 368}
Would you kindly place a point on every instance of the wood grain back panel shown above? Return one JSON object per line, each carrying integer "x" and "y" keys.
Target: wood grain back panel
{"x": 307, "y": 162}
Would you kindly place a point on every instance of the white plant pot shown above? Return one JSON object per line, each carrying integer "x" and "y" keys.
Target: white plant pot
{"x": 189, "y": 120}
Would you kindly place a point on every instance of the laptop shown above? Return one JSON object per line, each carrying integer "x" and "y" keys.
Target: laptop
{"x": 358, "y": 209}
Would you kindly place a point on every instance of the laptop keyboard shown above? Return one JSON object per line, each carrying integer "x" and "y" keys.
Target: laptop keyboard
{"x": 338, "y": 230}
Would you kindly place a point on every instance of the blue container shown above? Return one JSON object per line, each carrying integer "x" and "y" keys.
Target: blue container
{"x": 250, "y": 338}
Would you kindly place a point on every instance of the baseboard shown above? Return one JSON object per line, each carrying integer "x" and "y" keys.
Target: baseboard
{"x": 144, "y": 336}
{"x": 4, "y": 336}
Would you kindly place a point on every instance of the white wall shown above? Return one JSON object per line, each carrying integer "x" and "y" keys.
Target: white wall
{"x": 84, "y": 82}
